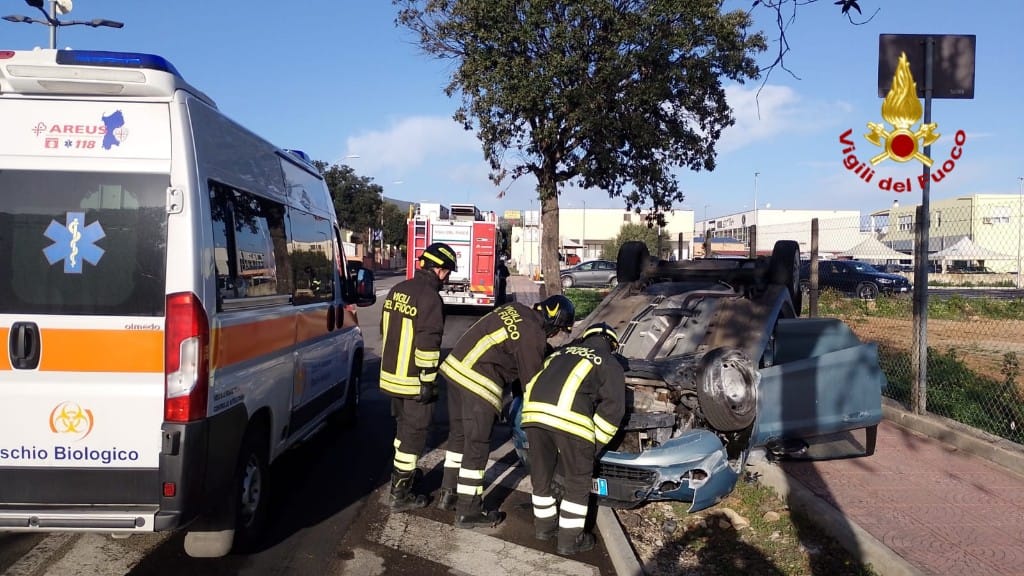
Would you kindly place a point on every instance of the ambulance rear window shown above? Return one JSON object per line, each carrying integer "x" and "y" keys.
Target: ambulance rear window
{"x": 82, "y": 243}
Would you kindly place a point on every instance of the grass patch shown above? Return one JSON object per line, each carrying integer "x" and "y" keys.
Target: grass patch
{"x": 955, "y": 307}
{"x": 585, "y": 299}
{"x": 957, "y": 392}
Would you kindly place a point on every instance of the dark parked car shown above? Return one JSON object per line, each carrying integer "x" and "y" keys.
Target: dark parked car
{"x": 718, "y": 363}
{"x": 595, "y": 273}
{"x": 853, "y": 277}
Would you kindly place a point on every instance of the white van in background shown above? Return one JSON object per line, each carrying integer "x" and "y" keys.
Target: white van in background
{"x": 175, "y": 303}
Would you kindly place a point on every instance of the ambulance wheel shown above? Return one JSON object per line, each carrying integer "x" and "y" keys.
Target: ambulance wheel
{"x": 250, "y": 490}
{"x": 238, "y": 525}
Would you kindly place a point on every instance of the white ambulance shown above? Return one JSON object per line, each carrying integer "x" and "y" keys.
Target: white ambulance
{"x": 175, "y": 303}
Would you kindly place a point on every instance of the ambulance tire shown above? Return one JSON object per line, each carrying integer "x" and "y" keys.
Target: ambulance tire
{"x": 250, "y": 491}
{"x": 243, "y": 524}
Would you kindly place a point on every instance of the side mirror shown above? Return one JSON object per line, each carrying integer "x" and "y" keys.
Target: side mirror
{"x": 363, "y": 289}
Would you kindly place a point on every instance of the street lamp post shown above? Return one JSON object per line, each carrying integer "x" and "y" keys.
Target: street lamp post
{"x": 64, "y": 6}
{"x": 583, "y": 240}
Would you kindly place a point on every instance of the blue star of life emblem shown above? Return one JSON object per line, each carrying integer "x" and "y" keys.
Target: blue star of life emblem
{"x": 74, "y": 242}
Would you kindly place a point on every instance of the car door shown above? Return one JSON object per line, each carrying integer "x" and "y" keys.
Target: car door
{"x": 585, "y": 274}
{"x": 823, "y": 381}
{"x": 606, "y": 271}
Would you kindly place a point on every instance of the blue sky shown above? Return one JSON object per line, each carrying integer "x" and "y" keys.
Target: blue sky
{"x": 338, "y": 78}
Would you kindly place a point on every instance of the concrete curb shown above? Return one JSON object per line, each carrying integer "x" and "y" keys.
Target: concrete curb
{"x": 862, "y": 545}
{"x": 615, "y": 542}
{"x": 970, "y": 440}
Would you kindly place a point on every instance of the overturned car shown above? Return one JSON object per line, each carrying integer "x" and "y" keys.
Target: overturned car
{"x": 718, "y": 363}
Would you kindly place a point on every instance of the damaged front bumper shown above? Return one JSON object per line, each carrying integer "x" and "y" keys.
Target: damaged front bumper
{"x": 693, "y": 467}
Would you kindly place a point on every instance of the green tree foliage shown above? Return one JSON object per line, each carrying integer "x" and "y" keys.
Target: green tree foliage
{"x": 357, "y": 200}
{"x": 646, "y": 234}
{"x": 606, "y": 94}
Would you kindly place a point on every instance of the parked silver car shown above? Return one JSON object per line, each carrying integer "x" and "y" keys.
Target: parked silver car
{"x": 590, "y": 274}
{"x": 718, "y": 363}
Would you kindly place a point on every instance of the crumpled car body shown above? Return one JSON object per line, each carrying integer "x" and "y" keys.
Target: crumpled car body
{"x": 717, "y": 364}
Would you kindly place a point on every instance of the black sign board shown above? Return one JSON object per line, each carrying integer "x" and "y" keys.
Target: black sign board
{"x": 953, "y": 63}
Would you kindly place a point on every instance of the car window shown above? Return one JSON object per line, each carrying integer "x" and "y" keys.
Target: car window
{"x": 587, "y": 266}
{"x": 86, "y": 243}
{"x": 607, "y": 265}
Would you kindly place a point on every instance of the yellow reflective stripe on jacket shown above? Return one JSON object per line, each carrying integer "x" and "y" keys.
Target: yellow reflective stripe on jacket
{"x": 572, "y": 384}
{"x": 604, "y": 430}
{"x": 427, "y": 358}
{"x": 405, "y": 344}
{"x": 428, "y": 376}
{"x": 473, "y": 381}
{"x": 539, "y": 414}
{"x": 402, "y": 385}
{"x": 561, "y": 416}
{"x": 486, "y": 343}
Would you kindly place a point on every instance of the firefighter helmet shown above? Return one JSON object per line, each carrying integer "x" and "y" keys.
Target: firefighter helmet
{"x": 557, "y": 312}
{"x": 439, "y": 255}
{"x": 602, "y": 329}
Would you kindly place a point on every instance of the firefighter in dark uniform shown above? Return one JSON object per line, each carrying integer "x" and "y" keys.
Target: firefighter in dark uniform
{"x": 411, "y": 324}
{"x": 506, "y": 345}
{"x": 571, "y": 410}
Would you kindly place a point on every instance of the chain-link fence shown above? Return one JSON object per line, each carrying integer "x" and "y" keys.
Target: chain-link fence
{"x": 975, "y": 311}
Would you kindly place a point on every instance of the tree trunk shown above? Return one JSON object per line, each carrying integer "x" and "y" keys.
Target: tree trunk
{"x": 549, "y": 242}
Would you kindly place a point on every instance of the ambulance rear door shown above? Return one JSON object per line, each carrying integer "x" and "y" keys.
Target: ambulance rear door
{"x": 83, "y": 276}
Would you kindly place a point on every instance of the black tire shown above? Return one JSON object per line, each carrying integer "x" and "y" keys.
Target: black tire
{"x": 728, "y": 405}
{"x": 867, "y": 291}
{"x": 613, "y": 281}
{"x": 784, "y": 269}
{"x": 250, "y": 490}
{"x": 632, "y": 260}
{"x": 567, "y": 282}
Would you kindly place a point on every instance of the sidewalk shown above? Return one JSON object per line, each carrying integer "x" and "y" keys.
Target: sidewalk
{"x": 933, "y": 499}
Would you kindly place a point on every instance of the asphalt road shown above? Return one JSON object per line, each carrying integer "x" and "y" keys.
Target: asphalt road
{"x": 329, "y": 513}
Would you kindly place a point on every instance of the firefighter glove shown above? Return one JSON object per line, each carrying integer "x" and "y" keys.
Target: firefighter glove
{"x": 428, "y": 393}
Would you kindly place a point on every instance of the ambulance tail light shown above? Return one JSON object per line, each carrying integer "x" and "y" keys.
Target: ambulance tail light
{"x": 187, "y": 359}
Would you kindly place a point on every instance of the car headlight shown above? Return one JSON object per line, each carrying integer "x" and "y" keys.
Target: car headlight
{"x": 885, "y": 280}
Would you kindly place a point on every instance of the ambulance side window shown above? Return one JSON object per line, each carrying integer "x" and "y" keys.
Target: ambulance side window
{"x": 250, "y": 249}
{"x": 311, "y": 255}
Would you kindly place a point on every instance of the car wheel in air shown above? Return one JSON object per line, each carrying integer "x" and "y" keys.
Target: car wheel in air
{"x": 784, "y": 269}
{"x": 726, "y": 389}
{"x": 632, "y": 259}
{"x": 867, "y": 291}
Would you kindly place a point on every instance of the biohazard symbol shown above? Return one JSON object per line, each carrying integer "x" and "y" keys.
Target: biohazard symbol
{"x": 71, "y": 419}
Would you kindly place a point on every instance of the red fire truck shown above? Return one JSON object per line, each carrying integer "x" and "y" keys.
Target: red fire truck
{"x": 475, "y": 237}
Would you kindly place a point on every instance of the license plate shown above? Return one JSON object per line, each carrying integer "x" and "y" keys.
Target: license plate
{"x": 600, "y": 487}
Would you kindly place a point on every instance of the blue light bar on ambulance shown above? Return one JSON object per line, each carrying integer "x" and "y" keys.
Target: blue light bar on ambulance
{"x": 116, "y": 60}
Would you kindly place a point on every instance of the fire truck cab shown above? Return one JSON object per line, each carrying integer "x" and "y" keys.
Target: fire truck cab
{"x": 475, "y": 237}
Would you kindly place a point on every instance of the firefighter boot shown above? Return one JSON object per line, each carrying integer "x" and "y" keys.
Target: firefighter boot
{"x": 447, "y": 498}
{"x": 470, "y": 513}
{"x": 572, "y": 542}
{"x": 545, "y": 528}
{"x": 402, "y": 497}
